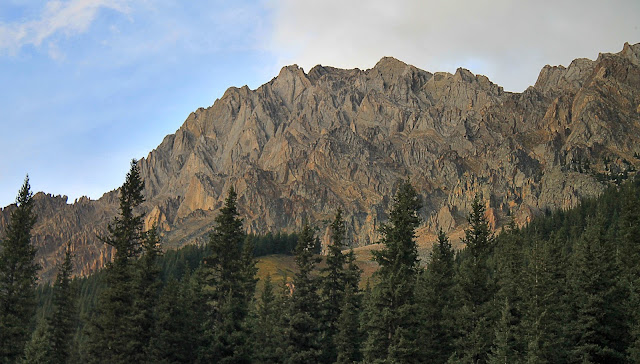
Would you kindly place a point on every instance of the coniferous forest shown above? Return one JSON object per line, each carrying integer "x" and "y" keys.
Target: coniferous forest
{"x": 563, "y": 289}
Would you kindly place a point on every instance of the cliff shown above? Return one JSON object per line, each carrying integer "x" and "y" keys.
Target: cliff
{"x": 304, "y": 144}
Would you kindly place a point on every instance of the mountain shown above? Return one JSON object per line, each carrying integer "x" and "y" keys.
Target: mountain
{"x": 304, "y": 144}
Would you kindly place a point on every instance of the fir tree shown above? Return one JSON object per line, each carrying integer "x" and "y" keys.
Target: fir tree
{"x": 18, "y": 275}
{"x": 508, "y": 255}
{"x": 333, "y": 286}
{"x": 505, "y": 348}
{"x": 349, "y": 337}
{"x": 177, "y": 324}
{"x": 269, "y": 334}
{"x": 146, "y": 286}
{"x": 545, "y": 301}
{"x": 436, "y": 297}
{"x": 393, "y": 325}
{"x": 62, "y": 322}
{"x": 628, "y": 257}
{"x": 38, "y": 350}
{"x": 475, "y": 289}
{"x": 166, "y": 343}
{"x": 304, "y": 334}
{"x": 601, "y": 326}
{"x": 228, "y": 275}
{"x": 112, "y": 335}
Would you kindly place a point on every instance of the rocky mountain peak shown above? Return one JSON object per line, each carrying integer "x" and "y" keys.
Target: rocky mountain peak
{"x": 631, "y": 52}
{"x": 302, "y": 145}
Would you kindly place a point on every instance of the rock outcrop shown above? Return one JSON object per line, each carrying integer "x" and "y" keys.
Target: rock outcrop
{"x": 304, "y": 144}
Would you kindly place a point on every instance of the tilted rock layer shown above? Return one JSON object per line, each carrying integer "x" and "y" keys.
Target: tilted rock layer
{"x": 304, "y": 144}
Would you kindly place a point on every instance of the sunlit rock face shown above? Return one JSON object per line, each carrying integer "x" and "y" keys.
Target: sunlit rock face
{"x": 304, "y": 144}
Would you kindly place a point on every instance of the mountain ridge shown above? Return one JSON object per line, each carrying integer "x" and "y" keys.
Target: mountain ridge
{"x": 304, "y": 144}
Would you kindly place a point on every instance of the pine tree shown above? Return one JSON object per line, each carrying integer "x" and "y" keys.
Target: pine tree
{"x": 166, "y": 344}
{"x": 62, "y": 322}
{"x": 601, "y": 326}
{"x": 393, "y": 325}
{"x": 505, "y": 347}
{"x": 38, "y": 350}
{"x": 304, "y": 334}
{"x": 508, "y": 255}
{"x": 112, "y": 336}
{"x": 349, "y": 336}
{"x": 546, "y": 302}
{"x": 228, "y": 275}
{"x": 146, "y": 286}
{"x": 333, "y": 286}
{"x": 436, "y": 297}
{"x": 475, "y": 289}
{"x": 628, "y": 258}
{"x": 269, "y": 334}
{"x": 18, "y": 275}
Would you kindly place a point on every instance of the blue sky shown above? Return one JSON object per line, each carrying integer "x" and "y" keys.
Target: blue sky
{"x": 86, "y": 85}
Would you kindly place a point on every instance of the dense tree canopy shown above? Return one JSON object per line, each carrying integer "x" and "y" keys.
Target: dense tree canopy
{"x": 563, "y": 289}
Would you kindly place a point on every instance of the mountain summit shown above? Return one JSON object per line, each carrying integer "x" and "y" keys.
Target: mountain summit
{"x": 304, "y": 144}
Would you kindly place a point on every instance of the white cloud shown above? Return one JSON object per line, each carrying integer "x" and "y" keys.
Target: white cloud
{"x": 507, "y": 40}
{"x": 66, "y": 17}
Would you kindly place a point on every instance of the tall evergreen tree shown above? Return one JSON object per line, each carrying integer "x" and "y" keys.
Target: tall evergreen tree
{"x": 475, "y": 289}
{"x": 546, "y": 302}
{"x": 349, "y": 336}
{"x": 392, "y": 329}
{"x": 18, "y": 275}
{"x": 509, "y": 260}
{"x": 228, "y": 276}
{"x": 177, "y": 325}
{"x": 505, "y": 346}
{"x": 146, "y": 286}
{"x": 436, "y": 297}
{"x": 166, "y": 343}
{"x": 112, "y": 336}
{"x": 62, "y": 322}
{"x": 269, "y": 333}
{"x": 38, "y": 350}
{"x": 333, "y": 287}
{"x": 629, "y": 256}
{"x": 304, "y": 334}
{"x": 601, "y": 327}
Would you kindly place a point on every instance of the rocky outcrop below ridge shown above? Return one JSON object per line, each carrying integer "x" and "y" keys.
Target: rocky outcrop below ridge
{"x": 304, "y": 144}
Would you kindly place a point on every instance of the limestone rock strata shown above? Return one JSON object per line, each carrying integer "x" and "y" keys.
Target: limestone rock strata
{"x": 304, "y": 144}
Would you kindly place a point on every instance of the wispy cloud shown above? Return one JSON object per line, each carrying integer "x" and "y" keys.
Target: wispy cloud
{"x": 58, "y": 17}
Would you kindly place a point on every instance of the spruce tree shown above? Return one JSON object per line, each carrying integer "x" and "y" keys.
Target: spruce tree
{"x": 601, "y": 330}
{"x": 269, "y": 333}
{"x": 628, "y": 257}
{"x": 63, "y": 320}
{"x": 436, "y": 296}
{"x": 505, "y": 346}
{"x": 146, "y": 286}
{"x": 166, "y": 343}
{"x": 393, "y": 325}
{"x": 349, "y": 336}
{"x": 304, "y": 334}
{"x": 509, "y": 261}
{"x": 228, "y": 277}
{"x": 546, "y": 302}
{"x": 176, "y": 334}
{"x": 38, "y": 350}
{"x": 18, "y": 276}
{"x": 475, "y": 290}
{"x": 333, "y": 286}
{"x": 112, "y": 334}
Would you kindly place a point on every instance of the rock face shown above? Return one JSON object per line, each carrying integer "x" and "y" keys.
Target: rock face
{"x": 304, "y": 144}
